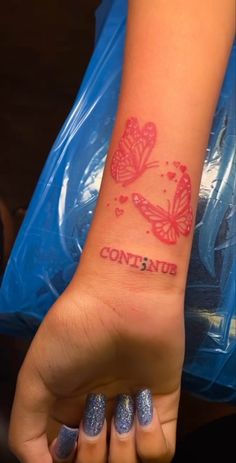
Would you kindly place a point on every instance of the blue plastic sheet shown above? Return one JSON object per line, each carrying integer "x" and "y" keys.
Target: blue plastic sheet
{"x": 51, "y": 239}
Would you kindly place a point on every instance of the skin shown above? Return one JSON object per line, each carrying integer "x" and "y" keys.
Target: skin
{"x": 115, "y": 328}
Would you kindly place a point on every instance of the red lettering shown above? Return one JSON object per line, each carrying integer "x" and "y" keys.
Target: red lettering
{"x": 114, "y": 254}
{"x": 104, "y": 252}
{"x": 136, "y": 260}
{"x": 124, "y": 257}
{"x": 152, "y": 266}
{"x": 165, "y": 267}
{"x": 173, "y": 269}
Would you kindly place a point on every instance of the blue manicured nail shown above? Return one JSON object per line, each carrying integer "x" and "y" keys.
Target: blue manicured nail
{"x": 144, "y": 406}
{"x": 94, "y": 414}
{"x": 124, "y": 413}
{"x": 65, "y": 443}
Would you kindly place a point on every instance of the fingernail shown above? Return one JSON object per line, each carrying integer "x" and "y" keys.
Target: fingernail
{"x": 94, "y": 414}
{"x": 144, "y": 406}
{"x": 124, "y": 413}
{"x": 65, "y": 443}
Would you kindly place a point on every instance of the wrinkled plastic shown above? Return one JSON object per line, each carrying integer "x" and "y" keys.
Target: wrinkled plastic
{"x": 52, "y": 236}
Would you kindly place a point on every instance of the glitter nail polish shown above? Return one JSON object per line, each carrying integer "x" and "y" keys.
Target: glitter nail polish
{"x": 65, "y": 443}
{"x": 94, "y": 414}
{"x": 124, "y": 413}
{"x": 144, "y": 406}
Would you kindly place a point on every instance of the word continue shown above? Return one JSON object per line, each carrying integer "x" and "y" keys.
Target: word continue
{"x": 142, "y": 263}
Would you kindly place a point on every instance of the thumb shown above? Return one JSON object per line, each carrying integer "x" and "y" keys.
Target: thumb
{"x": 30, "y": 412}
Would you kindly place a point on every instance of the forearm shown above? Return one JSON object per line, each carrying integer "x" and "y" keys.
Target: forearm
{"x": 175, "y": 61}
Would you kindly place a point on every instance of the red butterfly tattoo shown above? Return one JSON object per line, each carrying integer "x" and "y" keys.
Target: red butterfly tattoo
{"x": 130, "y": 159}
{"x": 168, "y": 225}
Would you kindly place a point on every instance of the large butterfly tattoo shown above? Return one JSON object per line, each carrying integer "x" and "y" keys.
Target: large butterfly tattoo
{"x": 130, "y": 160}
{"x": 168, "y": 225}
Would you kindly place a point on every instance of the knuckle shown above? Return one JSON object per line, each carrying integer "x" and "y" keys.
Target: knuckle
{"x": 21, "y": 379}
{"x": 146, "y": 453}
{"x": 13, "y": 445}
{"x": 17, "y": 448}
{"x": 170, "y": 452}
{"x": 169, "y": 456}
{"x": 92, "y": 444}
{"x": 123, "y": 439}
{"x": 163, "y": 457}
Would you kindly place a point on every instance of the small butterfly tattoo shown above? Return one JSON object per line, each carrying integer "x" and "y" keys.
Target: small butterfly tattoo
{"x": 130, "y": 160}
{"x": 168, "y": 224}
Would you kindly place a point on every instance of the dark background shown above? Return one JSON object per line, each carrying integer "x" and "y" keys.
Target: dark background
{"x": 45, "y": 48}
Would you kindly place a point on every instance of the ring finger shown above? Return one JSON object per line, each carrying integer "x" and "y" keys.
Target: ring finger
{"x": 151, "y": 442}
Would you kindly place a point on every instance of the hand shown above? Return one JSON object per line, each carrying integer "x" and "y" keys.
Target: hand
{"x": 116, "y": 343}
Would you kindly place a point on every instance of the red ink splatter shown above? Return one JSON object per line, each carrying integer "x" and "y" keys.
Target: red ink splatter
{"x": 123, "y": 199}
{"x": 119, "y": 211}
{"x": 129, "y": 161}
{"x": 171, "y": 175}
{"x": 168, "y": 225}
{"x": 183, "y": 168}
{"x": 176, "y": 164}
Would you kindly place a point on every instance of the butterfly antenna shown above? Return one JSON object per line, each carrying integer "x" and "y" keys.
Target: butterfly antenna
{"x": 169, "y": 206}
{"x": 152, "y": 164}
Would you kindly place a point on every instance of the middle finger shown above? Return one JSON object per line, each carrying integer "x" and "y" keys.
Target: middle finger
{"x": 122, "y": 442}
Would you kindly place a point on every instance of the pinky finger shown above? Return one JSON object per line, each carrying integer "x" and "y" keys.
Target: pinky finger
{"x": 152, "y": 439}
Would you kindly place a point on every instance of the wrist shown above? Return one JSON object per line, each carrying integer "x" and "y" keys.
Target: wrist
{"x": 133, "y": 267}
{"x": 122, "y": 250}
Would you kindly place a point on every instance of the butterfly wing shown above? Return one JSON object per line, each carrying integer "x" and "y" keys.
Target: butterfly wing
{"x": 123, "y": 166}
{"x": 142, "y": 148}
{"x": 161, "y": 221}
{"x": 134, "y": 148}
{"x": 181, "y": 209}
